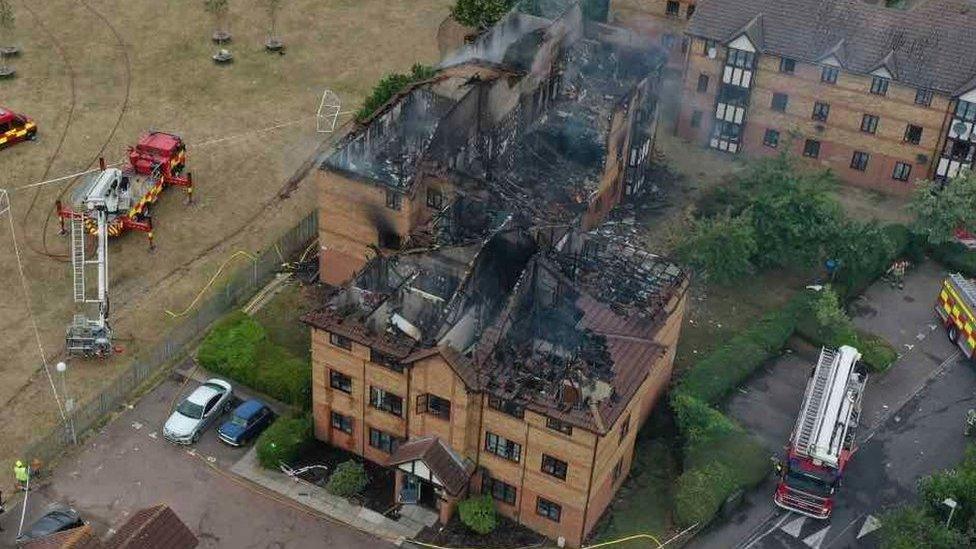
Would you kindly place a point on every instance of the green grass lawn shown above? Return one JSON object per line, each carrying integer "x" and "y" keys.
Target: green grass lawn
{"x": 280, "y": 317}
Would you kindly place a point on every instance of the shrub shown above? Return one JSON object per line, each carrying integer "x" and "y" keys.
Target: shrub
{"x": 955, "y": 257}
{"x": 697, "y": 420}
{"x": 700, "y": 493}
{"x": 911, "y": 527}
{"x": 239, "y": 348}
{"x": 390, "y": 85}
{"x": 876, "y": 353}
{"x": 825, "y": 324}
{"x": 478, "y": 513}
{"x": 348, "y": 479}
{"x": 480, "y": 13}
{"x": 863, "y": 251}
{"x": 282, "y": 440}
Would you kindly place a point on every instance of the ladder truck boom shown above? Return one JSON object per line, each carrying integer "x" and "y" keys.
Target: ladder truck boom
{"x": 822, "y": 441}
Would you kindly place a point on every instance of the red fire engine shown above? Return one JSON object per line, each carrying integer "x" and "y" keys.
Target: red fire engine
{"x": 157, "y": 161}
{"x": 15, "y": 128}
{"x": 823, "y": 439}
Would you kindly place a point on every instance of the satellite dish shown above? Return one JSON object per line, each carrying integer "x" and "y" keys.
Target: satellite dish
{"x": 712, "y": 52}
{"x": 960, "y": 128}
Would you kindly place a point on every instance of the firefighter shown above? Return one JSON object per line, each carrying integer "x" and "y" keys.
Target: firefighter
{"x": 897, "y": 272}
{"x": 21, "y": 474}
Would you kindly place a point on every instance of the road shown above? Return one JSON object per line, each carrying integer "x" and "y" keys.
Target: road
{"x": 911, "y": 424}
{"x": 128, "y": 466}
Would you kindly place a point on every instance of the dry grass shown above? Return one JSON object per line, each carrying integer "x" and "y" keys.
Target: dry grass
{"x": 172, "y": 84}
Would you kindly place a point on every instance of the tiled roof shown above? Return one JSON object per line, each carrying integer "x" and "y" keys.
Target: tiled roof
{"x": 82, "y": 537}
{"x": 333, "y": 321}
{"x": 448, "y": 467}
{"x": 930, "y": 45}
{"x": 155, "y": 527}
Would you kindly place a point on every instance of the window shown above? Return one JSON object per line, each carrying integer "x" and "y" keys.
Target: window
{"x": 435, "y": 198}
{"x": 383, "y": 441}
{"x": 383, "y": 400}
{"x": 709, "y": 45}
{"x": 741, "y": 58}
{"x": 342, "y": 342}
{"x": 966, "y": 110}
{"x": 393, "y": 200}
{"x": 859, "y": 161}
{"x": 702, "y": 83}
{"x": 811, "y": 148}
{"x": 617, "y": 470}
{"x": 879, "y": 85}
{"x": 913, "y": 134}
{"x": 434, "y": 405}
{"x": 502, "y": 447}
{"x": 667, "y": 41}
{"x": 771, "y": 138}
{"x": 672, "y": 8}
{"x": 691, "y": 11}
{"x": 696, "y": 117}
{"x": 624, "y": 428}
{"x": 869, "y": 123}
{"x": 548, "y": 509}
{"x": 340, "y": 381}
{"x": 506, "y": 406}
{"x": 341, "y": 422}
{"x": 779, "y": 101}
{"x": 829, "y": 75}
{"x": 821, "y": 111}
{"x": 923, "y": 97}
{"x": 554, "y": 467}
{"x": 502, "y": 491}
{"x": 787, "y": 65}
{"x": 560, "y": 426}
{"x": 385, "y": 360}
{"x": 902, "y": 172}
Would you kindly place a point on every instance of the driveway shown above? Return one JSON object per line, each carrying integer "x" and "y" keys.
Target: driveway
{"x": 129, "y": 466}
{"x": 911, "y": 423}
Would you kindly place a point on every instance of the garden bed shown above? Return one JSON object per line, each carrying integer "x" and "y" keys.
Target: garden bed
{"x": 378, "y": 495}
{"x": 507, "y": 534}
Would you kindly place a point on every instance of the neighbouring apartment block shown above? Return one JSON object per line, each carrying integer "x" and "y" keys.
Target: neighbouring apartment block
{"x": 661, "y": 21}
{"x": 489, "y": 333}
{"x": 882, "y": 96}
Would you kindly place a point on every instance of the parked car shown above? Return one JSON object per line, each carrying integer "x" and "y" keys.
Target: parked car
{"x": 249, "y": 419}
{"x": 197, "y": 411}
{"x": 58, "y": 518}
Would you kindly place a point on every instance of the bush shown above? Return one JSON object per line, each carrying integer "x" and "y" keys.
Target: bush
{"x": 910, "y": 528}
{"x": 348, "y": 479}
{"x": 282, "y": 440}
{"x": 825, "y": 324}
{"x": 721, "y": 247}
{"x": 697, "y": 420}
{"x": 478, "y": 513}
{"x": 390, "y": 85}
{"x": 239, "y": 348}
{"x": 700, "y": 493}
{"x": 876, "y": 353}
{"x": 955, "y": 257}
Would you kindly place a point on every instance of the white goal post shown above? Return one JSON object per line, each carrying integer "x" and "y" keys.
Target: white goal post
{"x": 328, "y": 112}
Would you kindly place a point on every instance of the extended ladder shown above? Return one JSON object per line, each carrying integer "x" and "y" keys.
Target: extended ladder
{"x": 78, "y": 255}
{"x": 811, "y": 415}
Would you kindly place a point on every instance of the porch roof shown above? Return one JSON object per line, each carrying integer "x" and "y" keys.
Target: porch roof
{"x": 449, "y": 468}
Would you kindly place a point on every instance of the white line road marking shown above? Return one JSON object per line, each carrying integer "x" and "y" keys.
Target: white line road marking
{"x": 759, "y": 538}
{"x": 870, "y": 525}
{"x": 153, "y": 435}
{"x": 813, "y": 541}
{"x": 795, "y": 526}
{"x": 136, "y": 425}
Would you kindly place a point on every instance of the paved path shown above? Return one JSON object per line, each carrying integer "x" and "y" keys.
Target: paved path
{"x": 129, "y": 466}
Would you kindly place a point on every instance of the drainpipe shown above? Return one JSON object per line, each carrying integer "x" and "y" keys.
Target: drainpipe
{"x": 589, "y": 488}
{"x": 942, "y": 140}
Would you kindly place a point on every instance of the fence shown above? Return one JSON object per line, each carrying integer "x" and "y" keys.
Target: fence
{"x": 241, "y": 285}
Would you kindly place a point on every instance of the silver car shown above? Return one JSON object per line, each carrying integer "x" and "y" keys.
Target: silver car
{"x": 196, "y": 412}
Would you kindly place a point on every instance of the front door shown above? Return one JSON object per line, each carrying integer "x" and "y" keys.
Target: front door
{"x": 410, "y": 492}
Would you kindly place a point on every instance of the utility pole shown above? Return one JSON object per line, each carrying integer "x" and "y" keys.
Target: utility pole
{"x": 68, "y": 401}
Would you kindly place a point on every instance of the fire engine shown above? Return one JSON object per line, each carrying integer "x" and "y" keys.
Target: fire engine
{"x": 955, "y": 307}
{"x": 111, "y": 201}
{"x": 15, "y": 128}
{"x": 823, "y": 438}
{"x": 157, "y": 161}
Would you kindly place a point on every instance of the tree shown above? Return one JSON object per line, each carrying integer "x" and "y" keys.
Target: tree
{"x": 218, "y": 9}
{"x": 480, "y": 13}
{"x": 390, "y": 85}
{"x": 911, "y": 528}
{"x": 940, "y": 211}
{"x": 862, "y": 251}
{"x": 6, "y": 31}
{"x": 478, "y": 513}
{"x": 722, "y": 246}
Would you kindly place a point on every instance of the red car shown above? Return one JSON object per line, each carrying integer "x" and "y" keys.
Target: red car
{"x": 15, "y": 128}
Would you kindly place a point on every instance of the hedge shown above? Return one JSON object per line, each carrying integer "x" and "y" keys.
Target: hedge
{"x": 876, "y": 353}
{"x": 282, "y": 440}
{"x": 955, "y": 257}
{"x": 238, "y": 347}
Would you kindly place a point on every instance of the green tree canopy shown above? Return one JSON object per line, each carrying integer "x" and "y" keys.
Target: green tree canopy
{"x": 722, "y": 247}
{"x": 389, "y": 85}
{"x": 480, "y": 13}
{"x": 940, "y": 211}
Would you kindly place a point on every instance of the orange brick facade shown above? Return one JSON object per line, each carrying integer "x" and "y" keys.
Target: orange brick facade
{"x": 596, "y": 464}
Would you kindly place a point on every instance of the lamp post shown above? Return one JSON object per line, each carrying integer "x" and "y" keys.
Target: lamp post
{"x": 69, "y": 403}
{"x": 951, "y": 504}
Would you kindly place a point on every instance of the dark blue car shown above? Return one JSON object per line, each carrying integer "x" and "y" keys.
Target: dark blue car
{"x": 249, "y": 419}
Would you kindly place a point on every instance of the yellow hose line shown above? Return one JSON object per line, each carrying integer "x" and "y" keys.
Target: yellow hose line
{"x": 193, "y": 303}
{"x": 622, "y": 540}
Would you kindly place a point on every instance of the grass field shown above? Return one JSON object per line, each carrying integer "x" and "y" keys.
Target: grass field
{"x": 95, "y": 74}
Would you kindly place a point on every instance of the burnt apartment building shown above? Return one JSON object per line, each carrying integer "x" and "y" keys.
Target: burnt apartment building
{"x": 882, "y": 96}
{"x": 488, "y": 334}
{"x": 663, "y": 22}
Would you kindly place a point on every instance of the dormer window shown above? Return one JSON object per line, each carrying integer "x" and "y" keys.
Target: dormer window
{"x": 923, "y": 97}
{"x": 879, "y": 85}
{"x": 829, "y": 75}
{"x": 787, "y": 65}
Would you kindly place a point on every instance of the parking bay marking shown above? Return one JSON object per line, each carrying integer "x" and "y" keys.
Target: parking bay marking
{"x": 795, "y": 526}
